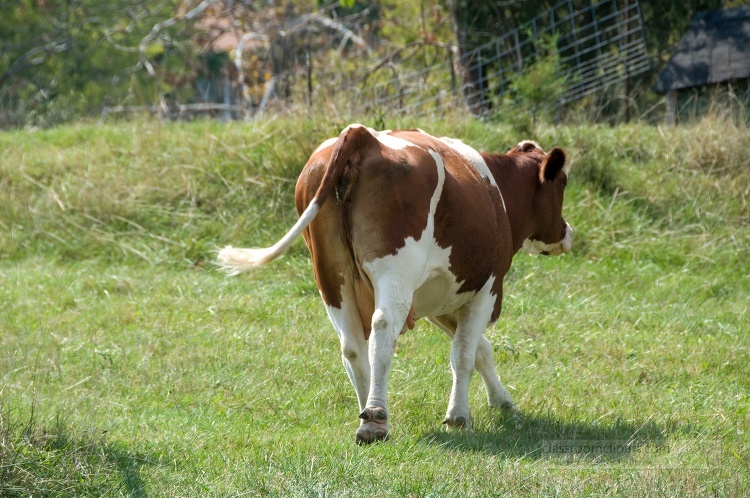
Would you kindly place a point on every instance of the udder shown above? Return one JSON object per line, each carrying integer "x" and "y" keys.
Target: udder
{"x": 438, "y": 295}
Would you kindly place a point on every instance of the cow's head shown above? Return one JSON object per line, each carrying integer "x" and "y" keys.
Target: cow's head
{"x": 551, "y": 235}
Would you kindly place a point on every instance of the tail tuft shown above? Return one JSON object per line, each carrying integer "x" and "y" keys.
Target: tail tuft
{"x": 234, "y": 260}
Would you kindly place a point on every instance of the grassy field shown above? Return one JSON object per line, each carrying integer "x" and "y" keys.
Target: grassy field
{"x": 129, "y": 366}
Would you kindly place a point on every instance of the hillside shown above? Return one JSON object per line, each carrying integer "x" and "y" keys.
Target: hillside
{"x": 129, "y": 365}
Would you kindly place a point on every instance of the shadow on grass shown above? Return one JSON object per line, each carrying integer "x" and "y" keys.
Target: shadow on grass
{"x": 58, "y": 461}
{"x": 544, "y": 437}
{"x": 129, "y": 466}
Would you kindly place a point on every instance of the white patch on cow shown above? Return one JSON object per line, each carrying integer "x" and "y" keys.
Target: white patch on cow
{"x": 439, "y": 293}
{"x": 538, "y": 247}
{"x": 325, "y": 144}
{"x": 472, "y": 156}
{"x": 567, "y": 242}
{"x": 476, "y": 160}
{"x": 390, "y": 141}
{"x": 421, "y": 267}
{"x": 384, "y": 137}
{"x": 484, "y": 303}
{"x": 348, "y": 325}
{"x": 440, "y": 165}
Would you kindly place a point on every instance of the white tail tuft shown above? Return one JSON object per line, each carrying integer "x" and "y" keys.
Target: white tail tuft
{"x": 234, "y": 260}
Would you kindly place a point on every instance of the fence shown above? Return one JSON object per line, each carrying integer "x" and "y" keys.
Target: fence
{"x": 599, "y": 45}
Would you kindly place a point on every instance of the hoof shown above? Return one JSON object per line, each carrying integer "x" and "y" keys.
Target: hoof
{"x": 501, "y": 400}
{"x": 374, "y": 426}
{"x": 371, "y": 432}
{"x": 462, "y": 423}
{"x": 374, "y": 415}
{"x": 507, "y": 407}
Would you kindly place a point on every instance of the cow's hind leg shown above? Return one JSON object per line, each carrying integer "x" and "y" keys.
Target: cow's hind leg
{"x": 391, "y": 311}
{"x": 348, "y": 325}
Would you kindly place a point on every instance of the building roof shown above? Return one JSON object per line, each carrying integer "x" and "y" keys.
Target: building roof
{"x": 715, "y": 48}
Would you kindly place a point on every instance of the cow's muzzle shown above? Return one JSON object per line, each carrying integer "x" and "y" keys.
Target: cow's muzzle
{"x": 555, "y": 249}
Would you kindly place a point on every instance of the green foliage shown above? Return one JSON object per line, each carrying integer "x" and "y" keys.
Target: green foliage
{"x": 536, "y": 93}
{"x": 62, "y": 60}
{"x": 131, "y": 367}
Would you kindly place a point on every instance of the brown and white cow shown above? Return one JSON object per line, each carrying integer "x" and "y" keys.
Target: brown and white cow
{"x": 402, "y": 225}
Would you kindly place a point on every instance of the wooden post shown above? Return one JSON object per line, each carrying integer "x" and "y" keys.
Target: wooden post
{"x": 226, "y": 114}
{"x": 470, "y": 86}
{"x": 627, "y": 68}
{"x": 671, "y": 107}
{"x": 453, "y": 71}
{"x": 308, "y": 64}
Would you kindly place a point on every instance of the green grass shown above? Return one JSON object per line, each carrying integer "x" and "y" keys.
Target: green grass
{"x": 130, "y": 366}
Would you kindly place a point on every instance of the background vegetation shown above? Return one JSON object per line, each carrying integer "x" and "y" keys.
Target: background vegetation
{"x": 63, "y": 60}
{"x": 129, "y": 366}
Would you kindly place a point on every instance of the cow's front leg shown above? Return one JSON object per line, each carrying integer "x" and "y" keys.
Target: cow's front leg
{"x": 497, "y": 395}
{"x": 463, "y": 353}
{"x": 387, "y": 322}
{"x": 472, "y": 321}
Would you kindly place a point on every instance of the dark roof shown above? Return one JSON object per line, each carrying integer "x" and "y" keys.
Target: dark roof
{"x": 715, "y": 48}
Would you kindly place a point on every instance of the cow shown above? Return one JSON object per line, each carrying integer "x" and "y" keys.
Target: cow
{"x": 402, "y": 225}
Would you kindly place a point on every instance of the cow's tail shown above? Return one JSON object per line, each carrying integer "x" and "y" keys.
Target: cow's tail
{"x": 234, "y": 260}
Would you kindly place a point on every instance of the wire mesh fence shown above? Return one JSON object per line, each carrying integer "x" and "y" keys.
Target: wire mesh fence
{"x": 599, "y": 45}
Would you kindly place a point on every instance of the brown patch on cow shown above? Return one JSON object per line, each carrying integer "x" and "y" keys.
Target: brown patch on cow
{"x": 365, "y": 296}
{"x": 467, "y": 221}
{"x": 391, "y": 200}
{"x": 497, "y": 290}
{"x": 365, "y": 217}
{"x": 410, "y": 319}
{"x": 530, "y": 200}
{"x": 388, "y": 204}
{"x": 469, "y": 218}
{"x": 328, "y": 258}
{"x": 517, "y": 174}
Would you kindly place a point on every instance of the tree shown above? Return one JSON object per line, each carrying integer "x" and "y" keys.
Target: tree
{"x": 472, "y": 21}
{"x": 70, "y": 56}
{"x": 537, "y": 92}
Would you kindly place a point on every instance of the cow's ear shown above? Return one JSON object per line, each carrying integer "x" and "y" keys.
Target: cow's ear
{"x": 552, "y": 165}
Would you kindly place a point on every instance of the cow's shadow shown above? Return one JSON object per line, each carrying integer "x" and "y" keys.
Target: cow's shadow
{"x": 547, "y": 437}
{"x": 130, "y": 465}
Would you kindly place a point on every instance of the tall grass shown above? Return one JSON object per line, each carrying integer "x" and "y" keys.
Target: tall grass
{"x": 128, "y": 366}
